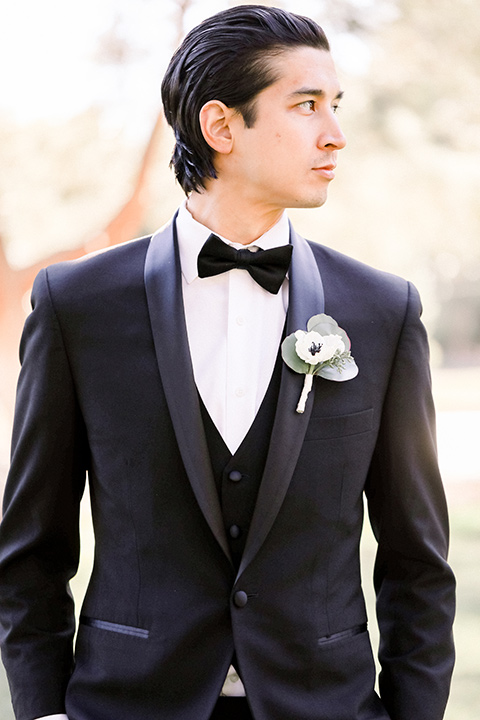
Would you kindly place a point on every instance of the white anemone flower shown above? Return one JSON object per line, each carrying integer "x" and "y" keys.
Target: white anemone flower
{"x": 314, "y": 348}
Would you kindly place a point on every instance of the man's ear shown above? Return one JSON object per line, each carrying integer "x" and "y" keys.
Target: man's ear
{"x": 215, "y": 118}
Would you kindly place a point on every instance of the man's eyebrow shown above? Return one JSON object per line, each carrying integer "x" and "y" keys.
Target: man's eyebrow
{"x": 316, "y": 92}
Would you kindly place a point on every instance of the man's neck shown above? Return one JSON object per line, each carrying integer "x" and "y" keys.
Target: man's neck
{"x": 231, "y": 218}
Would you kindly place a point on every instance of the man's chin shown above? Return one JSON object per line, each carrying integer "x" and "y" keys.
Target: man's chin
{"x": 311, "y": 202}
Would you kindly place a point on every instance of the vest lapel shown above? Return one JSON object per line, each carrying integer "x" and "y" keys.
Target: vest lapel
{"x": 167, "y": 318}
{"x": 306, "y": 298}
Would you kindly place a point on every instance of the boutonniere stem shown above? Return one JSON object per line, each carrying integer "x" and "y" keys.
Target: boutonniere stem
{"x": 324, "y": 350}
{"x": 307, "y": 386}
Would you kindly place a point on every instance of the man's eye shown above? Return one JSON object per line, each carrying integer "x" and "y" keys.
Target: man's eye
{"x": 308, "y": 104}
{"x": 336, "y": 108}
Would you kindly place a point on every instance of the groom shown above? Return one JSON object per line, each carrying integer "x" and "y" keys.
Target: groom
{"x": 227, "y": 524}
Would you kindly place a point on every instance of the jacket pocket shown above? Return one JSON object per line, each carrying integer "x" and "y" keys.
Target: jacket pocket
{"x": 114, "y": 627}
{"x": 327, "y": 428}
{"x": 343, "y": 635}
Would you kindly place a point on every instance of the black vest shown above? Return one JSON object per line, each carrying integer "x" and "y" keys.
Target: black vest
{"x": 238, "y": 476}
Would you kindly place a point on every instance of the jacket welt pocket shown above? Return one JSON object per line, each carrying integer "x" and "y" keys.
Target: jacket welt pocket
{"x": 343, "y": 635}
{"x": 114, "y": 627}
{"x": 339, "y": 425}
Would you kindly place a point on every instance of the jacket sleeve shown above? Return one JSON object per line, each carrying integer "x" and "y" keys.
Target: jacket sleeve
{"x": 414, "y": 584}
{"x": 39, "y": 533}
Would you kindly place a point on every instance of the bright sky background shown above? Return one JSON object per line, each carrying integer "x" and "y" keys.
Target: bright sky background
{"x": 47, "y": 51}
{"x": 44, "y": 52}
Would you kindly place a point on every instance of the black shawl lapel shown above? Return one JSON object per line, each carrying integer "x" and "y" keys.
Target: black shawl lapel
{"x": 306, "y": 298}
{"x": 167, "y": 317}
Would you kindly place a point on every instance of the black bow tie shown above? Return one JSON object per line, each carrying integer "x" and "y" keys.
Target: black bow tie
{"x": 267, "y": 267}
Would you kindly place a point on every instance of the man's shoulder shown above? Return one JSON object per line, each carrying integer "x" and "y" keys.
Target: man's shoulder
{"x": 345, "y": 264}
{"x": 116, "y": 258}
{"x": 110, "y": 265}
{"x": 343, "y": 274}
{"x": 95, "y": 278}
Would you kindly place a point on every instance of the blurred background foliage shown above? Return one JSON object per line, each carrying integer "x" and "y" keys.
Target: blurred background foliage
{"x": 84, "y": 154}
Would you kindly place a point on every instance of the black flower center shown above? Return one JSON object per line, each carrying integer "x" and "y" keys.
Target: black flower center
{"x": 314, "y": 348}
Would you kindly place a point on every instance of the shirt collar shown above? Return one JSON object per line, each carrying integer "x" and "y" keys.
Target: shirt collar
{"x": 192, "y": 235}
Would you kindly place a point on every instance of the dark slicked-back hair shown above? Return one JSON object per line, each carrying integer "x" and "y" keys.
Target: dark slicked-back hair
{"x": 228, "y": 58}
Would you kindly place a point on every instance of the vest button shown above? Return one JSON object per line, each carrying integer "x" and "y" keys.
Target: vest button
{"x": 235, "y": 476}
{"x": 234, "y": 531}
{"x": 240, "y": 598}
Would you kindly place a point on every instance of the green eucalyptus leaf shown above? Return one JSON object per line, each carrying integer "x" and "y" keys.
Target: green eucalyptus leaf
{"x": 326, "y": 325}
{"x": 347, "y": 372}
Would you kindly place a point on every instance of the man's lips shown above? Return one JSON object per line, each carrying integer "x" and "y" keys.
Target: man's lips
{"x": 327, "y": 171}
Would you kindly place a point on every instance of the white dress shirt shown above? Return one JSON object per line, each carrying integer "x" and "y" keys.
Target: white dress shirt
{"x": 234, "y": 330}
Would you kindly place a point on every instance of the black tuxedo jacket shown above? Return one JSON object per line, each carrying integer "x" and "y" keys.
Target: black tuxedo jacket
{"x": 107, "y": 387}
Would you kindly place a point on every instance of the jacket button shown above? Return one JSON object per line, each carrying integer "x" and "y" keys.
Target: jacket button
{"x": 234, "y": 531}
{"x": 235, "y": 476}
{"x": 240, "y": 598}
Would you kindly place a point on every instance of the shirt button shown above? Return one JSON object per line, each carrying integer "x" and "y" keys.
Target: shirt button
{"x": 239, "y": 392}
{"x": 240, "y": 598}
{"x": 239, "y": 320}
{"x": 234, "y": 531}
{"x": 235, "y": 476}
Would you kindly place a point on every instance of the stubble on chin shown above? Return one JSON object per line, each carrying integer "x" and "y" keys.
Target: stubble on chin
{"x": 308, "y": 203}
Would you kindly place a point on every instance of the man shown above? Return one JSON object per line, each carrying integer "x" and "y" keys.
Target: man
{"x": 227, "y": 524}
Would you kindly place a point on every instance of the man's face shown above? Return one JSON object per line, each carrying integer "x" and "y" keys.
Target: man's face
{"x": 288, "y": 157}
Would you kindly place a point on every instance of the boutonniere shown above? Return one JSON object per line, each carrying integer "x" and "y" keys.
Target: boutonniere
{"x": 323, "y": 350}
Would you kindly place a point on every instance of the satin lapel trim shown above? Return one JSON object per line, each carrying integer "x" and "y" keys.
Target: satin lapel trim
{"x": 306, "y": 298}
{"x": 167, "y": 318}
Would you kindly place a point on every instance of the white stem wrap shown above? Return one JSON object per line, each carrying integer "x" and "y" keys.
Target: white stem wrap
{"x": 307, "y": 386}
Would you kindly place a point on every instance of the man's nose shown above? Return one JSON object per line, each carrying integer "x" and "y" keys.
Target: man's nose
{"x": 332, "y": 136}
